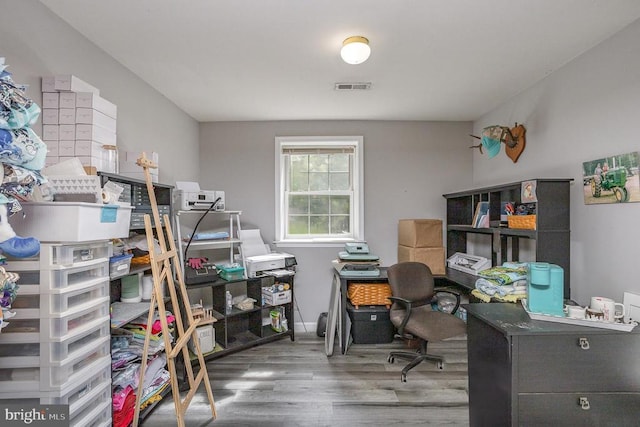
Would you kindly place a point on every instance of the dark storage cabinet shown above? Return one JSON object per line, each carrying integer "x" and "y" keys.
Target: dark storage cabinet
{"x": 370, "y": 324}
{"x": 525, "y": 372}
{"x": 551, "y": 235}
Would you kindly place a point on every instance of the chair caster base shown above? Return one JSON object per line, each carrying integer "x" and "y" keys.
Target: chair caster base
{"x": 391, "y": 359}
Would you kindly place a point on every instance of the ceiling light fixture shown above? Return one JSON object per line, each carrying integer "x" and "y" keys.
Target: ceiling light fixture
{"x": 355, "y": 50}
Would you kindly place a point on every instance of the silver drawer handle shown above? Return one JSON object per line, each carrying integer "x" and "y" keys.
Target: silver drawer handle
{"x": 584, "y": 343}
{"x": 584, "y": 403}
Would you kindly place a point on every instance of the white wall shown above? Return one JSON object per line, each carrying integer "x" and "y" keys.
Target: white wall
{"x": 588, "y": 109}
{"x": 408, "y": 166}
{"x": 36, "y": 43}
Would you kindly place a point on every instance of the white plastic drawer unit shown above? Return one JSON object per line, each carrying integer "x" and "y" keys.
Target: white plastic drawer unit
{"x": 98, "y": 415}
{"x": 57, "y": 301}
{"x": 59, "y": 327}
{"x": 84, "y": 337}
{"x": 87, "y": 393}
{"x": 21, "y": 381}
{"x": 60, "y": 377}
{"x": 58, "y": 254}
{"x": 61, "y": 277}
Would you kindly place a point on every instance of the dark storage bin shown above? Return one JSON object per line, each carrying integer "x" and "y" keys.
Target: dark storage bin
{"x": 370, "y": 324}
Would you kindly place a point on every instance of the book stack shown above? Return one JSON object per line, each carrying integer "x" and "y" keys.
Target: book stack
{"x": 481, "y": 215}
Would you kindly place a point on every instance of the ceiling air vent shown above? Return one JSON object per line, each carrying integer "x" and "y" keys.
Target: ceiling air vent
{"x": 353, "y": 86}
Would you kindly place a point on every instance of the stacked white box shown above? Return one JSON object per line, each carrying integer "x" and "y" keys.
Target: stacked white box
{"x": 75, "y": 118}
{"x": 64, "y": 331}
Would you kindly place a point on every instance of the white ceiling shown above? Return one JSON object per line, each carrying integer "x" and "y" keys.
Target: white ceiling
{"x": 236, "y": 60}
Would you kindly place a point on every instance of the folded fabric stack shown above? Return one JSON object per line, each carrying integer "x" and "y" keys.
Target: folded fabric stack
{"x": 22, "y": 156}
{"x": 507, "y": 283}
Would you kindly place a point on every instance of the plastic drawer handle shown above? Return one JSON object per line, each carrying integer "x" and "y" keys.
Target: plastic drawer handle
{"x": 583, "y": 343}
{"x": 584, "y": 403}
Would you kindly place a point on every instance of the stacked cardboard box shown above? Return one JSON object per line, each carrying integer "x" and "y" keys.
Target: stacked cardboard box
{"x": 77, "y": 122}
{"x": 421, "y": 240}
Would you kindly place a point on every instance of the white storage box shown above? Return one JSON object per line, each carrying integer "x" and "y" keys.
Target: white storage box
{"x": 275, "y": 298}
{"x": 66, "y": 148}
{"x": 89, "y": 116}
{"x": 49, "y": 84}
{"x": 72, "y": 222}
{"x": 96, "y": 133}
{"x": 69, "y": 83}
{"x": 89, "y": 148}
{"x": 49, "y": 116}
{"x": 67, "y": 116}
{"x": 50, "y": 132}
{"x": 51, "y": 160}
{"x": 67, "y": 100}
{"x": 50, "y": 100}
{"x": 67, "y": 132}
{"x": 91, "y": 100}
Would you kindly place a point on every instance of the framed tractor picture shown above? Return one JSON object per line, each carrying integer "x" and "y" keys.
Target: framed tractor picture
{"x": 611, "y": 179}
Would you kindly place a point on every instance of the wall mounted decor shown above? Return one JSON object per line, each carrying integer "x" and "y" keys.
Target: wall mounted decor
{"x": 493, "y": 136}
{"x": 611, "y": 179}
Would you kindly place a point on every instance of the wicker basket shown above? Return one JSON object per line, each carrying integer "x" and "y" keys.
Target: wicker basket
{"x": 522, "y": 221}
{"x": 369, "y": 294}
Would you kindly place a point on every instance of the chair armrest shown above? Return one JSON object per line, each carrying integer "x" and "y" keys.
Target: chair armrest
{"x": 407, "y": 311}
{"x": 455, "y": 294}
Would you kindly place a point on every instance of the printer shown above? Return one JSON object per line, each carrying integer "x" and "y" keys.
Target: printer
{"x": 189, "y": 196}
{"x": 274, "y": 262}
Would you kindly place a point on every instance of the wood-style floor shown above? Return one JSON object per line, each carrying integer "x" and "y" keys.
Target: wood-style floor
{"x": 288, "y": 383}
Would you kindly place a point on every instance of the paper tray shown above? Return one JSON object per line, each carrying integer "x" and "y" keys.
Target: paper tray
{"x": 627, "y": 327}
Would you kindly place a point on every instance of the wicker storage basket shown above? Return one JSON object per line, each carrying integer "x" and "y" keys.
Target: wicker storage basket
{"x": 369, "y": 294}
{"x": 522, "y": 221}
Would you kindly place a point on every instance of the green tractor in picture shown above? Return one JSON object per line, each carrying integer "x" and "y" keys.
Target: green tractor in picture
{"x": 614, "y": 179}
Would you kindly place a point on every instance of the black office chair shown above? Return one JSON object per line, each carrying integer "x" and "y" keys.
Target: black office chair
{"x": 413, "y": 291}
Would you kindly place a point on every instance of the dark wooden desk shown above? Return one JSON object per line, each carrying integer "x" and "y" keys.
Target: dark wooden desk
{"x": 455, "y": 278}
{"x": 525, "y": 372}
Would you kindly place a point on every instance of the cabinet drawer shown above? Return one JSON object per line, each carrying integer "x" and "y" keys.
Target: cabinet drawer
{"x": 558, "y": 363}
{"x": 565, "y": 409}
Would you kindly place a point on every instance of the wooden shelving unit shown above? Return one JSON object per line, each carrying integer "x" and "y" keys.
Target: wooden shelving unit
{"x": 551, "y": 233}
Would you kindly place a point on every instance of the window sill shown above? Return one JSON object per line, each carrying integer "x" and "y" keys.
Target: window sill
{"x": 314, "y": 243}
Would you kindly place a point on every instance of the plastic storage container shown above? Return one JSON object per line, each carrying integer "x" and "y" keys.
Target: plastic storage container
{"x": 54, "y": 303}
{"x": 231, "y": 272}
{"x": 120, "y": 265}
{"x": 72, "y": 222}
{"x": 370, "y": 324}
{"x": 65, "y": 326}
{"x": 56, "y": 255}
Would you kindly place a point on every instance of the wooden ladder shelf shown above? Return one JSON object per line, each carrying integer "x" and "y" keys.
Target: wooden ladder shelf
{"x": 163, "y": 263}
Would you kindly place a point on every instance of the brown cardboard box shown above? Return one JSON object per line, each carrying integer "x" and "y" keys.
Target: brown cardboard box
{"x": 420, "y": 233}
{"x": 433, "y": 257}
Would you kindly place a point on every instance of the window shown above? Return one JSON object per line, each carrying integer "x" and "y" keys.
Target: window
{"x": 319, "y": 189}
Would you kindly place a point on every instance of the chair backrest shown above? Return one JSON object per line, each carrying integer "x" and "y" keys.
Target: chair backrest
{"x": 411, "y": 280}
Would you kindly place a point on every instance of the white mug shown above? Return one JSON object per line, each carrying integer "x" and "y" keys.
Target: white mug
{"x": 608, "y": 308}
{"x": 576, "y": 312}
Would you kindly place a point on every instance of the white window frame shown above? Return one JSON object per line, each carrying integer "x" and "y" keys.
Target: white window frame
{"x": 357, "y": 215}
